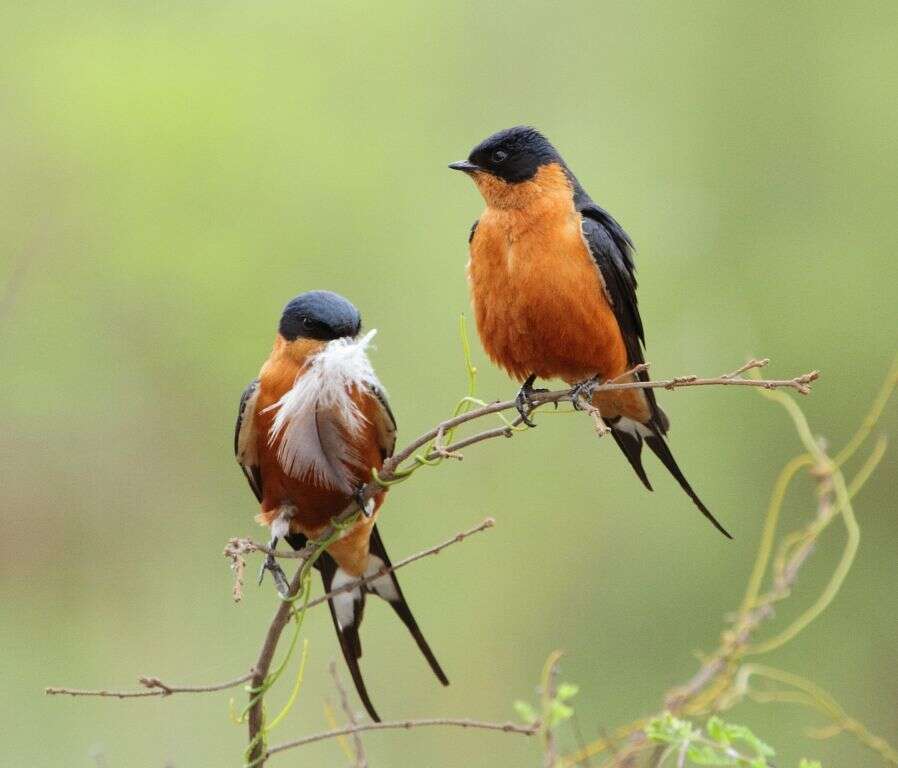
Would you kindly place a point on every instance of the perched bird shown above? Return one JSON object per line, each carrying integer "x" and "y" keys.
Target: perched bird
{"x": 309, "y": 430}
{"x": 554, "y": 291}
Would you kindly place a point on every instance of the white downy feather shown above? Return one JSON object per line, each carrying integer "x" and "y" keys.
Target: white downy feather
{"x": 317, "y": 418}
{"x": 633, "y": 427}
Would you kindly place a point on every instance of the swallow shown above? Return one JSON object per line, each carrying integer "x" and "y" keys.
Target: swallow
{"x": 553, "y": 286}
{"x": 309, "y": 431}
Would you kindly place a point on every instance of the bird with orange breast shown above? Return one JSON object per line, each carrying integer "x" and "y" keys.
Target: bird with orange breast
{"x": 553, "y": 285}
{"x": 309, "y": 430}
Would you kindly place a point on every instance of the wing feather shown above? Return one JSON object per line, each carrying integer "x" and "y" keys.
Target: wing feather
{"x": 246, "y": 440}
{"x": 612, "y": 250}
{"x": 384, "y": 420}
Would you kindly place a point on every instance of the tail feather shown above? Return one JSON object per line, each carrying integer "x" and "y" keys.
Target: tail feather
{"x": 630, "y": 435}
{"x": 392, "y": 593}
{"x": 347, "y": 610}
{"x": 350, "y": 609}
{"x": 631, "y": 446}
{"x": 660, "y": 449}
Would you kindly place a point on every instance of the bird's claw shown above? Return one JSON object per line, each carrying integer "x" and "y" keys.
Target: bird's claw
{"x": 583, "y": 391}
{"x": 359, "y": 497}
{"x": 277, "y": 574}
{"x": 522, "y": 400}
{"x": 523, "y": 405}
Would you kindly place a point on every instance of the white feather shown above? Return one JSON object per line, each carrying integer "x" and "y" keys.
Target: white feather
{"x": 279, "y": 527}
{"x": 344, "y": 603}
{"x": 633, "y": 427}
{"x": 317, "y": 418}
{"x": 382, "y": 585}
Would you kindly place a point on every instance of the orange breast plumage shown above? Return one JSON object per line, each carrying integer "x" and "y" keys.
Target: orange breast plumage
{"x": 538, "y": 296}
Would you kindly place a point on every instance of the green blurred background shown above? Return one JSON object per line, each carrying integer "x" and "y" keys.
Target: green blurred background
{"x": 173, "y": 173}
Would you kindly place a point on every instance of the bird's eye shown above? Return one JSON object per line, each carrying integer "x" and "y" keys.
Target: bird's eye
{"x": 499, "y": 155}
{"x": 307, "y": 322}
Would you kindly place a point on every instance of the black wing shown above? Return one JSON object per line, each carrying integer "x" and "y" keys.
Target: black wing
{"x": 245, "y": 444}
{"x": 612, "y": 250}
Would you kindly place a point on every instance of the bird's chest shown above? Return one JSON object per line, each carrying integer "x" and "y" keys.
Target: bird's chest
{"x": 326, "y": 450}
{"x": 534, "y": 288}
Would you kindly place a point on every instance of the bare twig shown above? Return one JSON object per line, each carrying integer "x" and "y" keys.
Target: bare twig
{"x": 489, "y": 522}
{"x": 361, "y": 761}
{"x": 634, "y": 371}
{"x": 245, "y": 546}
{"x": 523, "y": 730}
{"x": 256, "y": 716}
{"x": 549, "y": 688}
{"x": 440, "y": 448}
{"x": 258, "y": 755}
{"x": 750, "y": 365}
{"x": 154, "y": 686}
{"x": 799, "y": 383}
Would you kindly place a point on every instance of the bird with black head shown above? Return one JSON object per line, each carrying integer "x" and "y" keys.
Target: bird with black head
{"x": 553, "y": 284}
{"x": 309, "y": 431}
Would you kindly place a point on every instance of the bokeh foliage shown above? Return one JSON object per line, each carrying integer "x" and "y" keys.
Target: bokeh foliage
{"x": 172, "y": 173}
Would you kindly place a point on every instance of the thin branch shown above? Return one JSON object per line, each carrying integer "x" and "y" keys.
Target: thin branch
{"x": 154, "y": 686}
{"x": 52, "y": 691}
{"x": 750, "y": 365}
{"x": 435, "y": 550}
{"x": 238, "y": 546}
{"x": 799, "y": 383}
{"x": 361, "y": 761}
{"x": 258, "y": 755}
{"x": 737, "y": 642}
{"x": 256, "y": 716}
{"x": 548, "y": 691}
{"x": 247, "y": 546}
{"x": 523, "y": 730}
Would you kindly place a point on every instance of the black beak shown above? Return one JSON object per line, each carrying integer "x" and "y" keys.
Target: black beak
{"x": 464, "y": 165}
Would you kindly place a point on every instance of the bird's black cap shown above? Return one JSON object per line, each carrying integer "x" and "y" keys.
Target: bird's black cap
{"x": 513, "y": 155}
{"x": 321, "y": 315}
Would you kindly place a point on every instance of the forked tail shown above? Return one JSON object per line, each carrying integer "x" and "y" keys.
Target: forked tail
{"x": 630, "y": 434}
{"x": 348, "y": 607}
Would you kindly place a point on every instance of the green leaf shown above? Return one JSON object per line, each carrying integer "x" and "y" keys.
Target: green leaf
{"x": 558, "y": 713}
{"x": 525, "y": 711}
{"x": 667, "y": 729}
{"x": 741, "y": 733}
{"x": 705, "y": 754}
{"x": 805, "y": 763}
{"x": 718, "y": 730}
{"x": 566, "y": 691}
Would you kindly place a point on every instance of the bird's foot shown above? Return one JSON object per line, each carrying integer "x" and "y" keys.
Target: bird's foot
{"x": 583, "y": 391}
{"x": 523, "y": 402}
{"x": 359, "y": 497}
{"x": 277, "y": 573}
